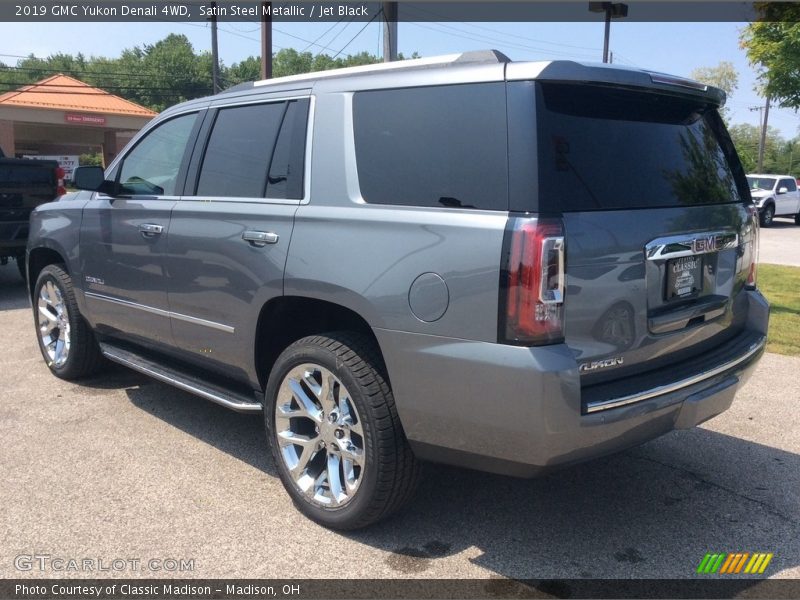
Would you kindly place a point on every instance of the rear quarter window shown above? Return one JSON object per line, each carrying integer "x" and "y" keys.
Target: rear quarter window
{"x": 442, "y": 146}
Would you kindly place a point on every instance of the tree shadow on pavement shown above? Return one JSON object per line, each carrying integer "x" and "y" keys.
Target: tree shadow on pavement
{"x": 240, "y": 435}
{"x": 650, "y": 512}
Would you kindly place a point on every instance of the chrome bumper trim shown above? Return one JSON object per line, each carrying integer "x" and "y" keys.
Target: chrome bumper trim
{"x": 754, "y": 349}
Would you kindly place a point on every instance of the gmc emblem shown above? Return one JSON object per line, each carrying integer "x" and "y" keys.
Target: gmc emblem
{"x": 706, "y": 244}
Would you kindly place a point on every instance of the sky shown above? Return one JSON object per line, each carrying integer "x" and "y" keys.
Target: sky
{"x": 675, "y": 48}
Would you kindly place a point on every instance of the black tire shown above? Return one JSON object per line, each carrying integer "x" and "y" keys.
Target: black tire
{"x": 797, "y": 219}
{"x": 767, "y": 215}
{"x": 21, "y": 267}
{"x": 83, "y": 356}
{"x": 391, "y": 472}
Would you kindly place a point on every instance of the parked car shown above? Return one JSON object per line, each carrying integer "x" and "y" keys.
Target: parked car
{"x": 24, "y": 185}
{"x": 775, "y": 196}
{"x": 504, "y": 266}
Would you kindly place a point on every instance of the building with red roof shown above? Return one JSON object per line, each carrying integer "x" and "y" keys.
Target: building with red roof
{"x": 62, "y": 115}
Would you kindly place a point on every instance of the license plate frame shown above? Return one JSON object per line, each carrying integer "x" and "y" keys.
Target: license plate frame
{"x": 683, "y": 278}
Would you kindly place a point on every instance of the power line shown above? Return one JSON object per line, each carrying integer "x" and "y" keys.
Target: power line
{"x": 503, "y": 33}
{"x": 326, "y": 32}
{"x": 470, "y": 36}
{"x": 358, "y": 34}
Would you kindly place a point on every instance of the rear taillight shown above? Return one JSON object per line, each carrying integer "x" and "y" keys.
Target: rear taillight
{"x": 752, "y": 271}
{"x": 532, "y": 282}
{"x": 60, "y": 188}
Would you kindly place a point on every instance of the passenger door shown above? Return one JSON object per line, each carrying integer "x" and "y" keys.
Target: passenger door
{"x": 230, "y": 233}
{"x": 788, "y": 201}
{"x": 124, "y": 236}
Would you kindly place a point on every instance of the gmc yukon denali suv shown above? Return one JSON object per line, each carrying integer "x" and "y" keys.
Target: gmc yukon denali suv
{"x": 503, "y": 266}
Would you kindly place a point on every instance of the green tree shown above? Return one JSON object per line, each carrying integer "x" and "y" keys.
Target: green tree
{"x": 723, "y": 76}
{"x": 780, "y": 155}
{"x": 167, "y": 72}
{"x": 773, "y": 45}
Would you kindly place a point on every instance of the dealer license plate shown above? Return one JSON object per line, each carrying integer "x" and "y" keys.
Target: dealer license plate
{"x": 684, "y": 277}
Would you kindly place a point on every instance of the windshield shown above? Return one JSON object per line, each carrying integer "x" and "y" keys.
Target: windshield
{"x": 761, "y": 183}
{"x": 611, "y": 148}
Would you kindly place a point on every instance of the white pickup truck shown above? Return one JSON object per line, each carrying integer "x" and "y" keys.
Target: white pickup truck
{"x": 775, "y": 196}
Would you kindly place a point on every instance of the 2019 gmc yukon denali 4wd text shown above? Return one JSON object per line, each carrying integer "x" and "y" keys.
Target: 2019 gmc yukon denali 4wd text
{"x": 504, "y": 266}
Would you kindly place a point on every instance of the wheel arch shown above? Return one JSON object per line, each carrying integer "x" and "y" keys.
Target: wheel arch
{"x": 286, "y": 319}
{"x": 38, "y": 259}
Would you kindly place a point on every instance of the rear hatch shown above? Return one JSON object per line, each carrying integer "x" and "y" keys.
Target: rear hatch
{"x": 659, "y": 234}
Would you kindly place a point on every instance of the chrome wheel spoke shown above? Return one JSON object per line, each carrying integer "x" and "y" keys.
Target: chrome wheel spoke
{"x": 60, "y": 351}
{"x": 335, "y": 480}
{"x": 326, "y": 390}
{"x": 347, "y": 418}
{"x": 305, "y": 403}
{"x": 353, "y": 454}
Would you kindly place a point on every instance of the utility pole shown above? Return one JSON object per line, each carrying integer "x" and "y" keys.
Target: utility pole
{"x": 389, "y": 31}
{"x": 763, "y": 140}
{"x": 266, "y": 40}
{"x": 214, "y": 50}
{"x": 614, "y": 10}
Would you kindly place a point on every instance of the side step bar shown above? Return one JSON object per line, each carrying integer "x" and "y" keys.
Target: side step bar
{"x": 228, "y": 399}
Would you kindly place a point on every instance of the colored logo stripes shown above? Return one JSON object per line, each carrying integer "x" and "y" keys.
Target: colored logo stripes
{"x": 735, "y": 562}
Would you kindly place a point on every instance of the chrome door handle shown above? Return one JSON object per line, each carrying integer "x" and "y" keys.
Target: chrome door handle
{"x": 260, "y": 239}
{"x": 150, "y": 229}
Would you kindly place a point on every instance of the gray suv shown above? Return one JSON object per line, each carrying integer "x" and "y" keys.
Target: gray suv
{"x": 503, "y": 266}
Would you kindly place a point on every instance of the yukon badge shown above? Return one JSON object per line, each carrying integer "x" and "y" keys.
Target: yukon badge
{"x": 95, "y": 280}
{"x": 601, "y": 364}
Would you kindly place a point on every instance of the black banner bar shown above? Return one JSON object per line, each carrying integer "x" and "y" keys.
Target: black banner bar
{"x": 311, "y": 589}
{"x": 101, "y": 11}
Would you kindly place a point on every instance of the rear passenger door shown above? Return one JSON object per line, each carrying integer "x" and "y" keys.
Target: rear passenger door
{"x": 229, "y": 233}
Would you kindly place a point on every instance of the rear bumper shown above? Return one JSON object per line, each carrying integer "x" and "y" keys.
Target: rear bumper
{"x": 520, "y": 411}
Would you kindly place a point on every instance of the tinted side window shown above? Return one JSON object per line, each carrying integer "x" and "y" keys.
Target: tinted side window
{"x": 609, "y": 148}
{"x": 151, "y": 168}
{"x": 789, "y": 184}
{"x": 441, "y": 146}
{"x": 238, "y": 152}
{"x": 288, "y": 161}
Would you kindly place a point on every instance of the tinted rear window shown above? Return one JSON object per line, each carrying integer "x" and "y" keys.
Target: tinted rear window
{"x": 441, "y": 146}
{"x": 608, "y": 148}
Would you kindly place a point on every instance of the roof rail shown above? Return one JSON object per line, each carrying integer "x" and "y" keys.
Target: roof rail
{"x": 474, "y": 57}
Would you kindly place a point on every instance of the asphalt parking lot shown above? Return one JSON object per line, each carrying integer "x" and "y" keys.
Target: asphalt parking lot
{"x": 780, "y": 243}
{"x": 120, "y": 466}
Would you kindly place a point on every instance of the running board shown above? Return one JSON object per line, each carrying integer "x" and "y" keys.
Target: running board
{"x": 193, "y": 385}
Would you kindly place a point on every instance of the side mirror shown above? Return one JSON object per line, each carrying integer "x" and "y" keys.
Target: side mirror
{"x": 92, "y": 179}
{"x": 783, "y": 190}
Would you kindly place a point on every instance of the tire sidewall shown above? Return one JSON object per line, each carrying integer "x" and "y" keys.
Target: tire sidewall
{"x": 768, "y": 216}
{"x": 313, "y": 353}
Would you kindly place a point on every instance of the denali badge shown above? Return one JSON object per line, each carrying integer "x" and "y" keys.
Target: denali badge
{"x": 96, "y": 280}
{"x": 601, "y": 364}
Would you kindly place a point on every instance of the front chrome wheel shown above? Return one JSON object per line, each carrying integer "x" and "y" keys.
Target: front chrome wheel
{"x": 54, "y": 325}
{"x": 320, "y": 435}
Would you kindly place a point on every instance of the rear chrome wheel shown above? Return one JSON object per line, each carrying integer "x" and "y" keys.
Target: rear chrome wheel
{"x": 319, "y": 434}
{"x": 334, "y": 432}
